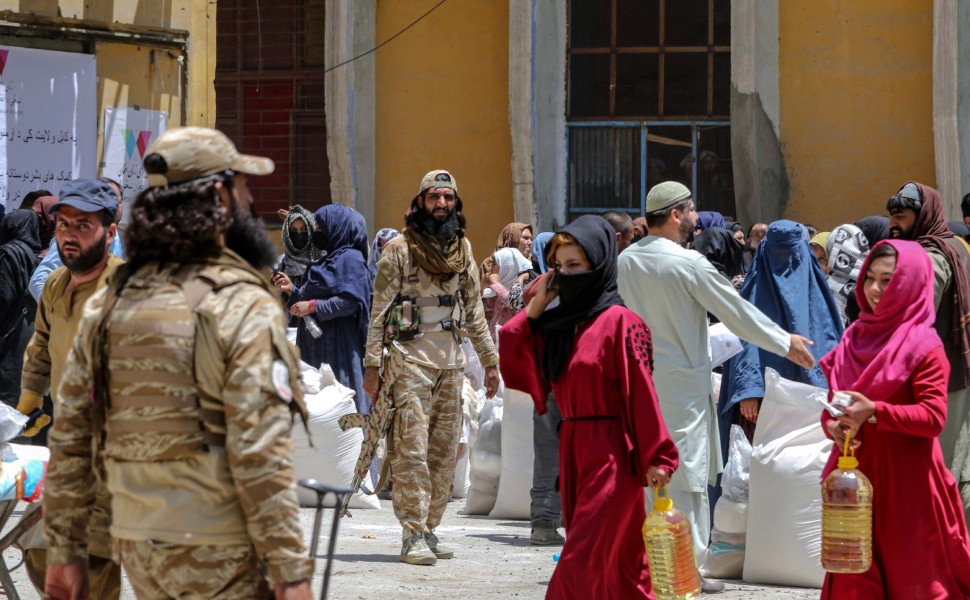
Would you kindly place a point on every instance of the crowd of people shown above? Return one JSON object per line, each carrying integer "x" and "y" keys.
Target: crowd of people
{"x": 159, "y": 359}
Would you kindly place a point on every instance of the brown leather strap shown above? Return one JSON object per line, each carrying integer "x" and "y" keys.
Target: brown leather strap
{"x": 385, "y": 471}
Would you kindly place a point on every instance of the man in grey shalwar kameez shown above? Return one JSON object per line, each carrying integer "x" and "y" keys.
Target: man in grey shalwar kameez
{"x": 673, "y": 289}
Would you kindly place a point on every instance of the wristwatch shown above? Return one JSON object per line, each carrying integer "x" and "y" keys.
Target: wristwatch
{"x": 872, "y": 419}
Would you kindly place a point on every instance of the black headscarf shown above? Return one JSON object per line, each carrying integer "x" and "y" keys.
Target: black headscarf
{"x": 582, "y": 295}
{"x": 19, "y": 245}
{"x": 718, "y": 245}
{"x": 874, "y": 228}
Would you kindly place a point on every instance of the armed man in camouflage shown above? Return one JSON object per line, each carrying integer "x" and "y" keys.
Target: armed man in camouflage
{"x": 426, "y": 300}
{"x": 182, "y": 378}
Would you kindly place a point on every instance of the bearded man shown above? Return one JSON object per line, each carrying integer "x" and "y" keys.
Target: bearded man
{"x": 179, "y": 394}
{"x": 916, "y": 213}
{"x": 426, "y": 301}
{"x": 84, "y": 230}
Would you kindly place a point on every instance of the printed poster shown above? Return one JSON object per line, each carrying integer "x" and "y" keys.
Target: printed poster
{"x": 128, "y": 133}
{"x": 48, "y": 120}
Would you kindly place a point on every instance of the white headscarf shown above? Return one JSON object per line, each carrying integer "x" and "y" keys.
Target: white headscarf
{"x": 511, "y": 263}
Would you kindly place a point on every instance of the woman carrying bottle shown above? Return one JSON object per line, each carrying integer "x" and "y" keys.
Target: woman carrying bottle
{"x": 891, "y": 362}
{"x": 336, "y": 293}
{"x": 597, "y": 357}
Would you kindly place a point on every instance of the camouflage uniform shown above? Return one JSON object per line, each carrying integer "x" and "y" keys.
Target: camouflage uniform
{"x": 198, "y": 466}
{"x": 425, "y": 379}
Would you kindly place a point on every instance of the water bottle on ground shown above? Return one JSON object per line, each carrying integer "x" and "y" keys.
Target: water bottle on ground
{"x": 670, "y": 551}
{"x": 312, "y": 327}
{"x": 846, "y": 517}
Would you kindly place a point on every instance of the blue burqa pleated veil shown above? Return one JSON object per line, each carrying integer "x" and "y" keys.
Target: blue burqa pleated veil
{"x": 787, "y": 284}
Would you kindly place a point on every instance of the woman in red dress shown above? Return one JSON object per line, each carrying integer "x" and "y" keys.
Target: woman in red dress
{"x": 597, "y": 357}
{"x": 891, "y": 362}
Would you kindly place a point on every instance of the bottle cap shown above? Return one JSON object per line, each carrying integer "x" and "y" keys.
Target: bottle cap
{"x": 663, "y": 504}
{"x": 848, "y": 462}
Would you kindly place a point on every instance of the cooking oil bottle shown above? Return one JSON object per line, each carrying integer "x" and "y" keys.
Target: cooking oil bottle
{"x": 846, "y": 517}
{"x": 670, "y": 551}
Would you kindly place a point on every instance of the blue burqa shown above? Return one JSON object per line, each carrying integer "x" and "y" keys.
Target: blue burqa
{"x": 709, "y": 218}
{"x": 787, "y": 284}
{"x": 341, "y": 285}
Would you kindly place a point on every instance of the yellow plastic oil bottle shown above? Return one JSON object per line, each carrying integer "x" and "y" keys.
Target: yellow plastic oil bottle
{"x": 846, "y": 517}
{"x": 670, "y": 551}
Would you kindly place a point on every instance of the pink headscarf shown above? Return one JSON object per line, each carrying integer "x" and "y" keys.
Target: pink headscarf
{"x": 878, "y": 353}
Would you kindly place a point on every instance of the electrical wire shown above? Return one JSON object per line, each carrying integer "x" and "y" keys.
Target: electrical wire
{"x": 388, "y": 40}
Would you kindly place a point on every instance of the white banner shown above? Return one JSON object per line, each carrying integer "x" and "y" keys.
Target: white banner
{"x": 48, "y": 120}
{"x": 128, "y": 132}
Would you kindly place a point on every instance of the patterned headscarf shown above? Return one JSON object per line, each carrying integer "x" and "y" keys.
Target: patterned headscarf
{"x": 377, "y": 247}
{"x": 298, "y": 259}
{"x": 846, "y": 248}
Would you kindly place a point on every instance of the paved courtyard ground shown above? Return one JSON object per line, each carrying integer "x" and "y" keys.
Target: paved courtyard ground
{"x": 494, "y": 560}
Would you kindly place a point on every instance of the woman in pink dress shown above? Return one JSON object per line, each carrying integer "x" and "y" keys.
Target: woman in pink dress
{"x": 892, "y": 363}
{"x": 597, "y": 357}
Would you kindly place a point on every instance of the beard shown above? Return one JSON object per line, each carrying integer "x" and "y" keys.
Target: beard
{"x": 686, "y": 232}
{"x": 246, "y": 237}
{"x": 444, "y": 230}
{"x": 899, "y": 233}
{"x": 87, "y": 258}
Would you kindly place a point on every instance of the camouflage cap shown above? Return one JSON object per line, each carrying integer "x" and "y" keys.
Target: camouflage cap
{"x": 194, "y": 152}
{"x": 438, "y": 178}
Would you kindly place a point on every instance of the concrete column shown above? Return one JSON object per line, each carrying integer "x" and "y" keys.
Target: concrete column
{"x": 951, "y": 90}
{"x": 521, "y": 69}
{"x": 350, "y": 104}
{"x": 548, "y": 116}
{"x": 760, "y": 179}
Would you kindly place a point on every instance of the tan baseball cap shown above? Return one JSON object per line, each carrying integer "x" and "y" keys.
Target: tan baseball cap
{"x": 194, "y": 152}
{"x": 666, "y": 194}
{"x": 438, "y": 179}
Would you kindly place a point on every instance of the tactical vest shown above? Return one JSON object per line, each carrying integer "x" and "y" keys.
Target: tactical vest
{"x": 157, "y": 412}
{"x": 417, "y": 310}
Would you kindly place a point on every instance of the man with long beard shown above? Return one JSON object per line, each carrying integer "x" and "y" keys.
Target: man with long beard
{"x": 426, "y": 300}
{"x": 84, "y": 229}
{"x": 916, "y": 213}
{"x": 179, "y": 394}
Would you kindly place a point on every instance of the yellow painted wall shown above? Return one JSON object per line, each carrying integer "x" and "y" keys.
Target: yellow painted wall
{"x": 442, "y": 102}
{"x": 856, "y": 98}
